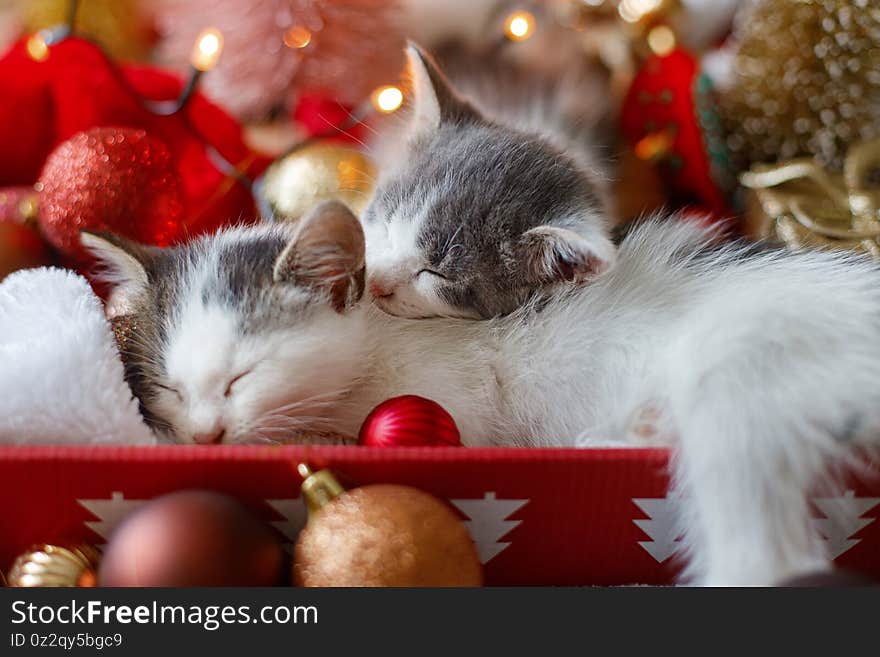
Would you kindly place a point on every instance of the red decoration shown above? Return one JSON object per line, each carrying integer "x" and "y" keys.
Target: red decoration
{"x": 545, "y": 517}
{"x": 192, "y": 538}
{"x": 111, "y": 179}
{"x": 76, "y": 87}
{"x": 669, "y": 118}
{"x": 26, "y": 118}
{"x": 410, "y": 421}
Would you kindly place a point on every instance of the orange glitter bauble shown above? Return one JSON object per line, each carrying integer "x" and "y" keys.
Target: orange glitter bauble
{"x": 385, "y": 535}
{"x": 119, "y": 180}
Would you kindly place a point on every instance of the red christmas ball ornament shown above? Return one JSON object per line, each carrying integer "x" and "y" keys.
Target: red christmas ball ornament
{"x": 110, "y": 179}
{"x": 409, "y": 421}
{"x": 73, "y": 87}
{"x": 192, "y": 538}
{"x": 20, "y": 244}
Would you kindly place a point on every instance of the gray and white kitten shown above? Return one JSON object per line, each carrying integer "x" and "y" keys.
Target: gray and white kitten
{"x": 492, "y": 197}
{"x": 209, "y": 345}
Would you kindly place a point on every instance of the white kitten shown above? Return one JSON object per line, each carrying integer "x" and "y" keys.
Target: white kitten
{"x": 765, "y": 364}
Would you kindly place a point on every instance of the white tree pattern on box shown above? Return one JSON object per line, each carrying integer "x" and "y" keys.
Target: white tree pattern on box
{"x": 487, "y": 522}
{"x": 662, "y": 525}
{"x": 110, "y": 511}
{"x": 842, "y": 520}
{"x": 294, "y": 512}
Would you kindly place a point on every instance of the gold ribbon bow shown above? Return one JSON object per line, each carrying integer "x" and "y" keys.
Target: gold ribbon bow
{"x": 803, "y": 205}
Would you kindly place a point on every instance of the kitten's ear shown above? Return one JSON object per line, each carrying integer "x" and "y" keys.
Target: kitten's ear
{"x": 326, "y": 254}
{"x": 554, "y": 255}
{"x": 434, "y": 99}
{"x": 124, "y": 265}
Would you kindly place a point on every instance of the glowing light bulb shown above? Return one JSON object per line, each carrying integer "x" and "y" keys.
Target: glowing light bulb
{"x": 655, "y": 145}
{"x": 519, "y": 26}
{"x": 661, "y": 40}
{"x": 632, "y": 11}
{"x": 387, "y": 99}
{"x": 36, "y": 48}
{"x": 297, "y": 37}
{"x": 207, "y": 50}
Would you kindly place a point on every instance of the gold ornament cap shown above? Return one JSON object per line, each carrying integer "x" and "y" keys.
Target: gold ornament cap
{"x": 319, "y": 487}
{"x": 52, "y": 565}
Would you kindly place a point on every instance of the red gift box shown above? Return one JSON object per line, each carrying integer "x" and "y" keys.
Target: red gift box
{"x": 538, "y": 516}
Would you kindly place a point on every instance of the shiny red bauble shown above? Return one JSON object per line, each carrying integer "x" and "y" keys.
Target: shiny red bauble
{"x": 409, "y": 421}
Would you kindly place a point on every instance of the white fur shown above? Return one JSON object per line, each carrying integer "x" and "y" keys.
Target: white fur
{"x": 282, "y": 379}
{"x": 61, "y": 379}
{"x": 425, "y": 116}
{"x": 395, "y": 265}
{"x": 762, "y": 365}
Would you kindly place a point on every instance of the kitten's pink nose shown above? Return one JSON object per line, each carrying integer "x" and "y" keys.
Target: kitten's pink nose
{"x": 381, "y": 289}
{"x": 209, "y": 437}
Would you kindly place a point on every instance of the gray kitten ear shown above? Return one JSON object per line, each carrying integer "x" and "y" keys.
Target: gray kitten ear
{"x": 123, "y": 265}
{"x": 555, "y": 255}
{"x": 326, "y": 254}
{"x": 434, "y": 99}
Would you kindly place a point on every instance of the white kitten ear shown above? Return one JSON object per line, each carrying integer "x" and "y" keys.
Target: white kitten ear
{"x": 123, "y": 266}
{"x": 326, "y": 254}
{"x": 554, "y": 255}
{"x": 434, "y": 99}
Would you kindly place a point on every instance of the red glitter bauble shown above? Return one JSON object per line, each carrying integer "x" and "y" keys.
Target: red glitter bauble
{"x": 110, "y": 179}
{"x": 409, "y": 421}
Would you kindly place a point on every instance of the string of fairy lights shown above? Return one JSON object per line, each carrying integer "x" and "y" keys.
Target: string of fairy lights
{"x": 518, "y": 25}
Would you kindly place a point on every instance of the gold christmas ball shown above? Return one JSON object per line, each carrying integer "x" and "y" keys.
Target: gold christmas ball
{"x": 806, "y": 80}
{"x": 298, "y": 181}
{"x": 384, "y": 535}
{"x": 52, "y": 565}
{"x": 120, "y": 26}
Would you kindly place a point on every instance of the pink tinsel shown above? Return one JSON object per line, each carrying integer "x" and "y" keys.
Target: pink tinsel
{"x": 355, "y": 46}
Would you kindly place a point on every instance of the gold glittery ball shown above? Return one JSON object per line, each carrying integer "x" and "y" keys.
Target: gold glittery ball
{"x": 51, "y": 565}
{"x": 806, "y": 80}
{"x": 385, "y": 535}
{"x": 300, "y": 180}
